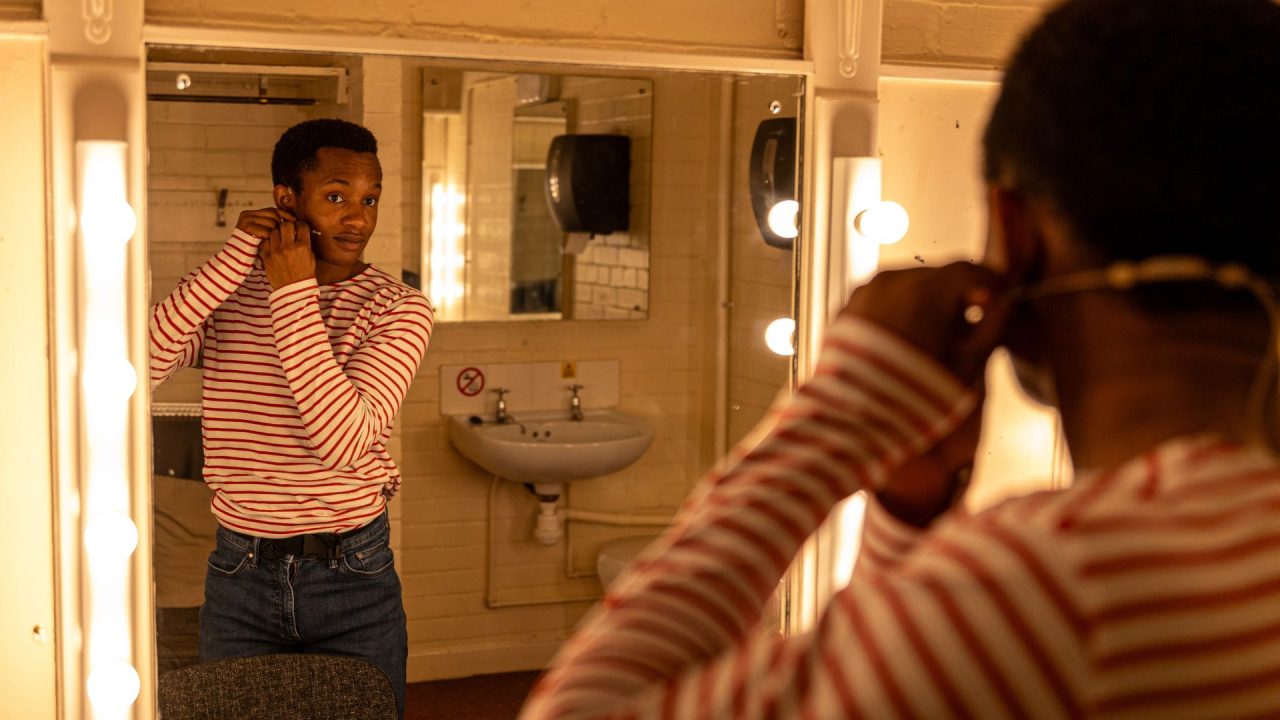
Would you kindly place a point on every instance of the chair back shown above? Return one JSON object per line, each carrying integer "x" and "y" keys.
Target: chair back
{"x": 303, "y": 686}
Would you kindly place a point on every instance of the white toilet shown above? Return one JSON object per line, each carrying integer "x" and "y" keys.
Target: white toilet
{"x": 616, "y": 554}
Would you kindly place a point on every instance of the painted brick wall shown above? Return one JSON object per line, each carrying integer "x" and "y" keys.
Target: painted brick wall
{"x": 979, "y": 33}
{"x": 19, "y": 9}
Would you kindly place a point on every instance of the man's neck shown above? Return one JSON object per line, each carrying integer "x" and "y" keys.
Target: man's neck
{"x": 1126, "y": 384}
{"x": 327, "y": 274}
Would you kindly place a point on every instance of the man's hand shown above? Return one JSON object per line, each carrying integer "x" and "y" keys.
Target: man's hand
{"x": 286, "y": 253}
{"x": 928, "y": 485}
{"x": 927, "y": 307}
{"x": 260, "y": 223}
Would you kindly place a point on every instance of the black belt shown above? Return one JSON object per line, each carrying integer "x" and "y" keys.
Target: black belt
{"x": 317, "y": 545}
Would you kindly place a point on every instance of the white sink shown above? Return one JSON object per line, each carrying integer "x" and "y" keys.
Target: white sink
{"x": 549, "y": 447}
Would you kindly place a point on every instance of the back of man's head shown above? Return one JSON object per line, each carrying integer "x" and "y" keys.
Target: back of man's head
{"x": 295, "y": 151}
{"x": 1152, "y": 126}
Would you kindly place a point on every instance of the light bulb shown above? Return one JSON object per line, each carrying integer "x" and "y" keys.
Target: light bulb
{"x": 886, "y": 223}
{"x": 113, "y": 685}
{"x": 183, "y": 81}
{"x": 111, "y": 533}
{"x": 780, "y": 336}
{"x": 112, "y": 382}
{"x": 784, "y": 219}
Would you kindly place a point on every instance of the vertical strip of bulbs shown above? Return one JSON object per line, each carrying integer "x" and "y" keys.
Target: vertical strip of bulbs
{"x": 107, "y": 380}
{"x": 861, "y": 223}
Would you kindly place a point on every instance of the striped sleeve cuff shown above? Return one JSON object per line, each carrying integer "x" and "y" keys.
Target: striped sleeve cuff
{"x": 244, "y": 244}
{"x": 904, "y": 399}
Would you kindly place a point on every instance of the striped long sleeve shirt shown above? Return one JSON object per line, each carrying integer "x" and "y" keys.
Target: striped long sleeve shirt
{"x": 301, "y": 386}
{"x": 1147, "y": 590}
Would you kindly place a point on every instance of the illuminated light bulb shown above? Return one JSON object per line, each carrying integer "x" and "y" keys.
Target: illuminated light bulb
{"x": 886, "y": 223}
{"x": 112, "y": 534}
{"x": 110, "y": 381}
{"x": 780, "y": 336}
{"x": 113, "y": 685}
{"x": 105, "y": 214}
{"x": 108, "y": 222}
{"x": 784, "y": 219}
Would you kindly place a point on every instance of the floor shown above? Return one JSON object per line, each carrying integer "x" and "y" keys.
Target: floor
{"x": 480, "y": 697}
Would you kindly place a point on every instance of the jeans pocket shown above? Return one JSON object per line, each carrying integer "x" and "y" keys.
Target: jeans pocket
{"x": 227, "y": 559}
{"x": 373, "y": 559}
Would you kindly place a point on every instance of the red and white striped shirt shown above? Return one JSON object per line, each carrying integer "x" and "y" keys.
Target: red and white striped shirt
{"x": 1148, "y": 590}
{"x": 301, "y": 386}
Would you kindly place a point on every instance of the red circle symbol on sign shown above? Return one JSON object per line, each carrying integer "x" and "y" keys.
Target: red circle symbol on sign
{"x": 470, "y": 381}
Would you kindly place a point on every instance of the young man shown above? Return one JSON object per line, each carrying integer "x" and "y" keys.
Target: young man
{"x": 1126, "y": 130}
{"x": 307, "y": 352}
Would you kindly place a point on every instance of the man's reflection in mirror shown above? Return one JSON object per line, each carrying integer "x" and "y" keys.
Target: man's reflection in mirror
{"x": 307, "y": 352}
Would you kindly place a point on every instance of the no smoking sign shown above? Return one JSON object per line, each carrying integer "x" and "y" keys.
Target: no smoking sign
{"x": 470, "y": 381}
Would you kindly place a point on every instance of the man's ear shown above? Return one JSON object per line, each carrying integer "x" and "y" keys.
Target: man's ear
{"x": 283, "y": 195}
{"x": 1015, "y": 241}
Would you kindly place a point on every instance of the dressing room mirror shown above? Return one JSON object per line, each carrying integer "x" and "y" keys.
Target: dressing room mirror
{"x": 690, "y": 286}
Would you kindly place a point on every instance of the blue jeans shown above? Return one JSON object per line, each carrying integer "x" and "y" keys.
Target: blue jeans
{"x": 258, "y": 600}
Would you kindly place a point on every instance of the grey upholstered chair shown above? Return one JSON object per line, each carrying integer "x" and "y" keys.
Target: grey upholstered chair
{"x": 278, "y": 687}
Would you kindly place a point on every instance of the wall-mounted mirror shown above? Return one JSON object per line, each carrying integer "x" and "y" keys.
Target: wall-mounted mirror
{"x": 492, "y": 246}
{"x": 694, "y": 362}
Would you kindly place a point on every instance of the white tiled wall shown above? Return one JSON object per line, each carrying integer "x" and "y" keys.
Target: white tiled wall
{"x": 471, "y": 389}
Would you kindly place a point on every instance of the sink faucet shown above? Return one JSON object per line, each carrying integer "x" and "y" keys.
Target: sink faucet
{"x": 502, "y": 417}
{"x": 575, "y": 404}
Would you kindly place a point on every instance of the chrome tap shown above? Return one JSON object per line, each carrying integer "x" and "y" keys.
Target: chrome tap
{"x": 502, "y": 417}
{"x": 575, "y": 404}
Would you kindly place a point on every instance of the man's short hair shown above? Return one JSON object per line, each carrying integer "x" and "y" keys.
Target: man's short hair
{"x": 295, "y": 152}
{"x": 1152, "y": 126}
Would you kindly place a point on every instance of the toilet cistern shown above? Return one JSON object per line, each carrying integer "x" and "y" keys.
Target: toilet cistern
{"x": 575, "y": 403}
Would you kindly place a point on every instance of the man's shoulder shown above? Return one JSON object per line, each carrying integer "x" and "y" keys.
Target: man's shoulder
{"x": 387, "y": 291}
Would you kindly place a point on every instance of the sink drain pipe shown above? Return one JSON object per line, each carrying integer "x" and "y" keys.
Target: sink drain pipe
{"x": 550, "y": 525}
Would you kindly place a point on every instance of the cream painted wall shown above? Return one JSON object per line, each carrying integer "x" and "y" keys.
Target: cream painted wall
{"x": 930, "y": 139}
{"x": 770, "y": 28}
{"x": 27, "y": 670}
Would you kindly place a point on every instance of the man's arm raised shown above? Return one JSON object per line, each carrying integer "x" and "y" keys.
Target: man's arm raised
{"x": 177, "y": 322}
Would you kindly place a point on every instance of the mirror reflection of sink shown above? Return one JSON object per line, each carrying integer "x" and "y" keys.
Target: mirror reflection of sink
{"x": 549, "y": 446}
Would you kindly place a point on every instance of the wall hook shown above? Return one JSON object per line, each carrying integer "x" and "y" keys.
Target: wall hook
{"x": 222, "y": 208}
